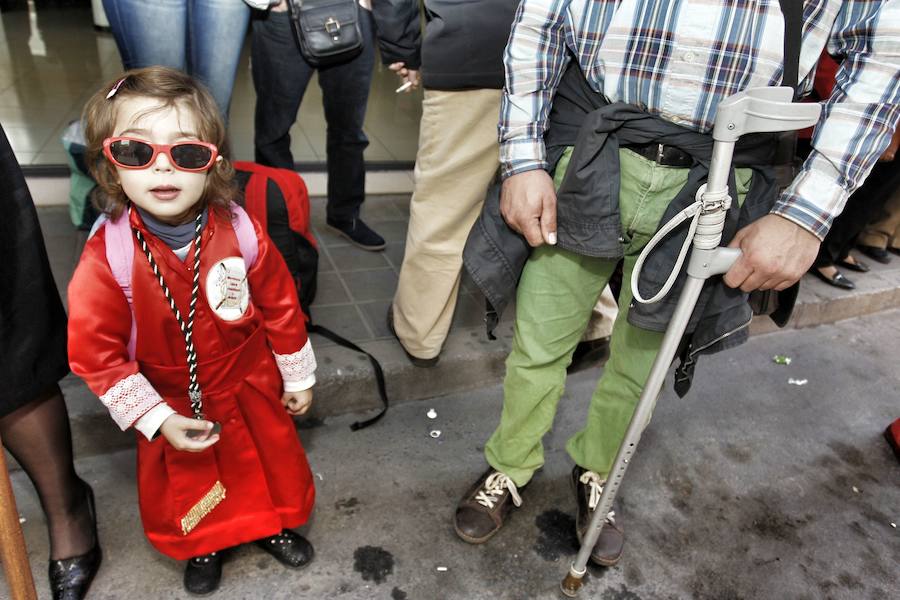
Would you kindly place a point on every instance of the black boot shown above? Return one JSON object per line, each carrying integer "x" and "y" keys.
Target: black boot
{"x": 202, "y": 574}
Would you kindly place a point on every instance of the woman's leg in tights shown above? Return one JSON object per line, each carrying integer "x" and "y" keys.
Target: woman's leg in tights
{"x": 38, "y": 436}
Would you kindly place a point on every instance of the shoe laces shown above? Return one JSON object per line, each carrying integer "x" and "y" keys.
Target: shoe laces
{"x": 496, "y": 485}
{"x": 595, "y": 484}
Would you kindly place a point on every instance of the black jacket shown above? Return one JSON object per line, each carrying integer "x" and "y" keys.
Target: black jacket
{"x": 464, "y": 42}
{"x": 398, "y": 28}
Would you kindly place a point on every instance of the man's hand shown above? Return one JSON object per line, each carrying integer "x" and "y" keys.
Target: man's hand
{"x": 775, "y": 253}
{"x": 175, "y": 429}
{"x": 297, "y": 403}
{"x": 410, "y": 76}
{"x": 528, "y": 204}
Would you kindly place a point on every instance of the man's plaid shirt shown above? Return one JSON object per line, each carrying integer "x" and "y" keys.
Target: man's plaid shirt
{"x": 679, "y": 58}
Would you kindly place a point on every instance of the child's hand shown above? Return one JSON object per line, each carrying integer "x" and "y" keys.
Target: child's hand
{"x": 297, "y": 403}
{"x": 176, "y": 427}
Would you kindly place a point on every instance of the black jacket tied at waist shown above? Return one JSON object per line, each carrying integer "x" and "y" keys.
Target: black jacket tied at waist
{"x": 588, "y": 221}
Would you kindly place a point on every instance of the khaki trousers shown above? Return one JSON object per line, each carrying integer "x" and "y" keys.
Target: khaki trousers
{"x": 457, "y": 160}
{"x": 458, "y": 157}
{"x": 885, "y": 233}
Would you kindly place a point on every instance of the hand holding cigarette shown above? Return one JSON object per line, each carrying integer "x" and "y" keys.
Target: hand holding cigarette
{"x": 408, "y": 77}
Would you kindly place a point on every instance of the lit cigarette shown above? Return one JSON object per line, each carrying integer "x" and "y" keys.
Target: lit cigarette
{"x": 403, "y": 87}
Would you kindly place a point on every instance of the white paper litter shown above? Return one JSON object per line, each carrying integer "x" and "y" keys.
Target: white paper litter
{"x": 319, "y": 475}
{"x": 22, "y": 519}
{"x": 442, "y": 569}
{"x": 435, "y": 433}
{"x": 793, "y": 381}
{"x": 855, "y": 490}
{"x": 431, "y": 414}
{"x": 894, "y": 525}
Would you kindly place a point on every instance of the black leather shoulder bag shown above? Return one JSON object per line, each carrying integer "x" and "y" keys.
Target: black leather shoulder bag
{"x": 327, "y": 31}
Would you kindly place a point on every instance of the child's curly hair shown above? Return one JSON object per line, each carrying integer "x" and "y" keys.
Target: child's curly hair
{"x": 173, "y": 89}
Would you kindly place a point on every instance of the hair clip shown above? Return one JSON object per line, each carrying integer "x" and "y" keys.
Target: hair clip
{"x": 116, "y": 87}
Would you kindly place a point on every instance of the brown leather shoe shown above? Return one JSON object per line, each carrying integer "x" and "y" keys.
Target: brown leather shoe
{"x": 588, "y": 486}
{"x": 481, "y": 512}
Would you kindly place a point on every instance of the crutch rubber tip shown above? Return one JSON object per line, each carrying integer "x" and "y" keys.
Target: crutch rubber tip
{"x": 571, "y": 585}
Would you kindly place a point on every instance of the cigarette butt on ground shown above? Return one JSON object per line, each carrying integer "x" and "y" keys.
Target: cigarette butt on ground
{"x": 403, "y": 87}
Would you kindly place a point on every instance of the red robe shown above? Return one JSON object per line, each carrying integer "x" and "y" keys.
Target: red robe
{"x": 258, "y": 459}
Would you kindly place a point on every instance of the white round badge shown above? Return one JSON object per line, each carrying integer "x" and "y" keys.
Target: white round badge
{"x": 226, "y": 288}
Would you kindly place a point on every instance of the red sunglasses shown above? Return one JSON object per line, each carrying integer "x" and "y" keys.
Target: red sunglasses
{"x": 132, "y": 153}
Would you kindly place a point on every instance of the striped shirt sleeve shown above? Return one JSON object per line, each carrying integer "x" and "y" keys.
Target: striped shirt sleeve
{"x": 535, "y": 58}
{"x": 858, "y": 119}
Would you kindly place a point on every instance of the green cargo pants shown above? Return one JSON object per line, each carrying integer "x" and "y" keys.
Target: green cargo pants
{"x": 554, "y": 299}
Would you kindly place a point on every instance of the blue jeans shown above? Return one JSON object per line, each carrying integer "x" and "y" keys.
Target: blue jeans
{"x": 200, "y": 37}
{"x": 280, "y": 77}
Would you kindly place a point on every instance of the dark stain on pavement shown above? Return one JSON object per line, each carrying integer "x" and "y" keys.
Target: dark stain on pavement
{"x": 347, "y": 505}
{"x": 850, "y": 581}
{"x": 633, "y": 575}
{"x": 681, "y": 488}
{"x": 623, "y": 593}
{"x": 398, "y": 594}
{"x": 708, "y": 584}
{"x": 557, "y": 535}
{"x": 373, "y": 563}
{"x": 827, "y": 461}
{"x": 345, "y": 588}
{"x": 845, "y": 580}
{"x": 847, "y": 453}
{"x": 737, "y": 454}
{"x": 765, "y": 518}
{"x": 858, "y": 529}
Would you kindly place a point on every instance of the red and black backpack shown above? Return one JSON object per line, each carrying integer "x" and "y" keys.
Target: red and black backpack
{"x": 279, "y": 200}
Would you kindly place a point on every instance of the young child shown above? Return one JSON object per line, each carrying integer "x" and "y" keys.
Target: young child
{"x": 202, "y": 347}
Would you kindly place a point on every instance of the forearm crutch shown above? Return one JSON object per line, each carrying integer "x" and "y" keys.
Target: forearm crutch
{"x": 751, "y": 111}
{"x": 12, "y": 542}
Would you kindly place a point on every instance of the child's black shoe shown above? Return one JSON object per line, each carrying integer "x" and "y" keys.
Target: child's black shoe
{"x": 202, "y": 574}
{"x": 289, "y": 548}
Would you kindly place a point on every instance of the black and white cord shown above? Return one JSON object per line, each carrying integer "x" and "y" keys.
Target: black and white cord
{"x": 187, "y": 329}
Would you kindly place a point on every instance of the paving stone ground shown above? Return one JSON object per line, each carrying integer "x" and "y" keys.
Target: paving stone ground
{"x": 749, "y": 488}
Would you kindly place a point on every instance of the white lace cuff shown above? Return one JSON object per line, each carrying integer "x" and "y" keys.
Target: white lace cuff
{"x": 297, "y": 368}
{"x": 130, "y": 399}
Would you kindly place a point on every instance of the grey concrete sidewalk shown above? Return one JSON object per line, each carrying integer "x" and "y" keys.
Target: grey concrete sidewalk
{"x": 749, "y": 488}
{"x": 355, "y": 289}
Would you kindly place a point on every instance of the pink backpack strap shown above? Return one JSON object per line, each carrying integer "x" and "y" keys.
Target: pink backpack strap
{"x": 120, "y": 256}
{"x": 246, "y": 235}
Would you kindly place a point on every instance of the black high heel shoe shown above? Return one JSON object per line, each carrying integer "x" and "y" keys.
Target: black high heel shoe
{"x": 70, "y": 578}
{"x": 837, "y": 280}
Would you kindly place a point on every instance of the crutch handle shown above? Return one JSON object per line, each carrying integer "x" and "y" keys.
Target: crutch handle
{"x": 762, "y": 109}
{"x": 706, "y": 263}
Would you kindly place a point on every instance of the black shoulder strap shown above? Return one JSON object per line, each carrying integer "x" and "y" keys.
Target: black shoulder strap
{"x": 376, "y": 366}
{"x": 792, "y": 10}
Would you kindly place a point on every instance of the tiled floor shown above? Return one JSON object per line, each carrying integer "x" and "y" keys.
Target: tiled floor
{"x": 356, "y": 287}
{"x": 52, "y": 60}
